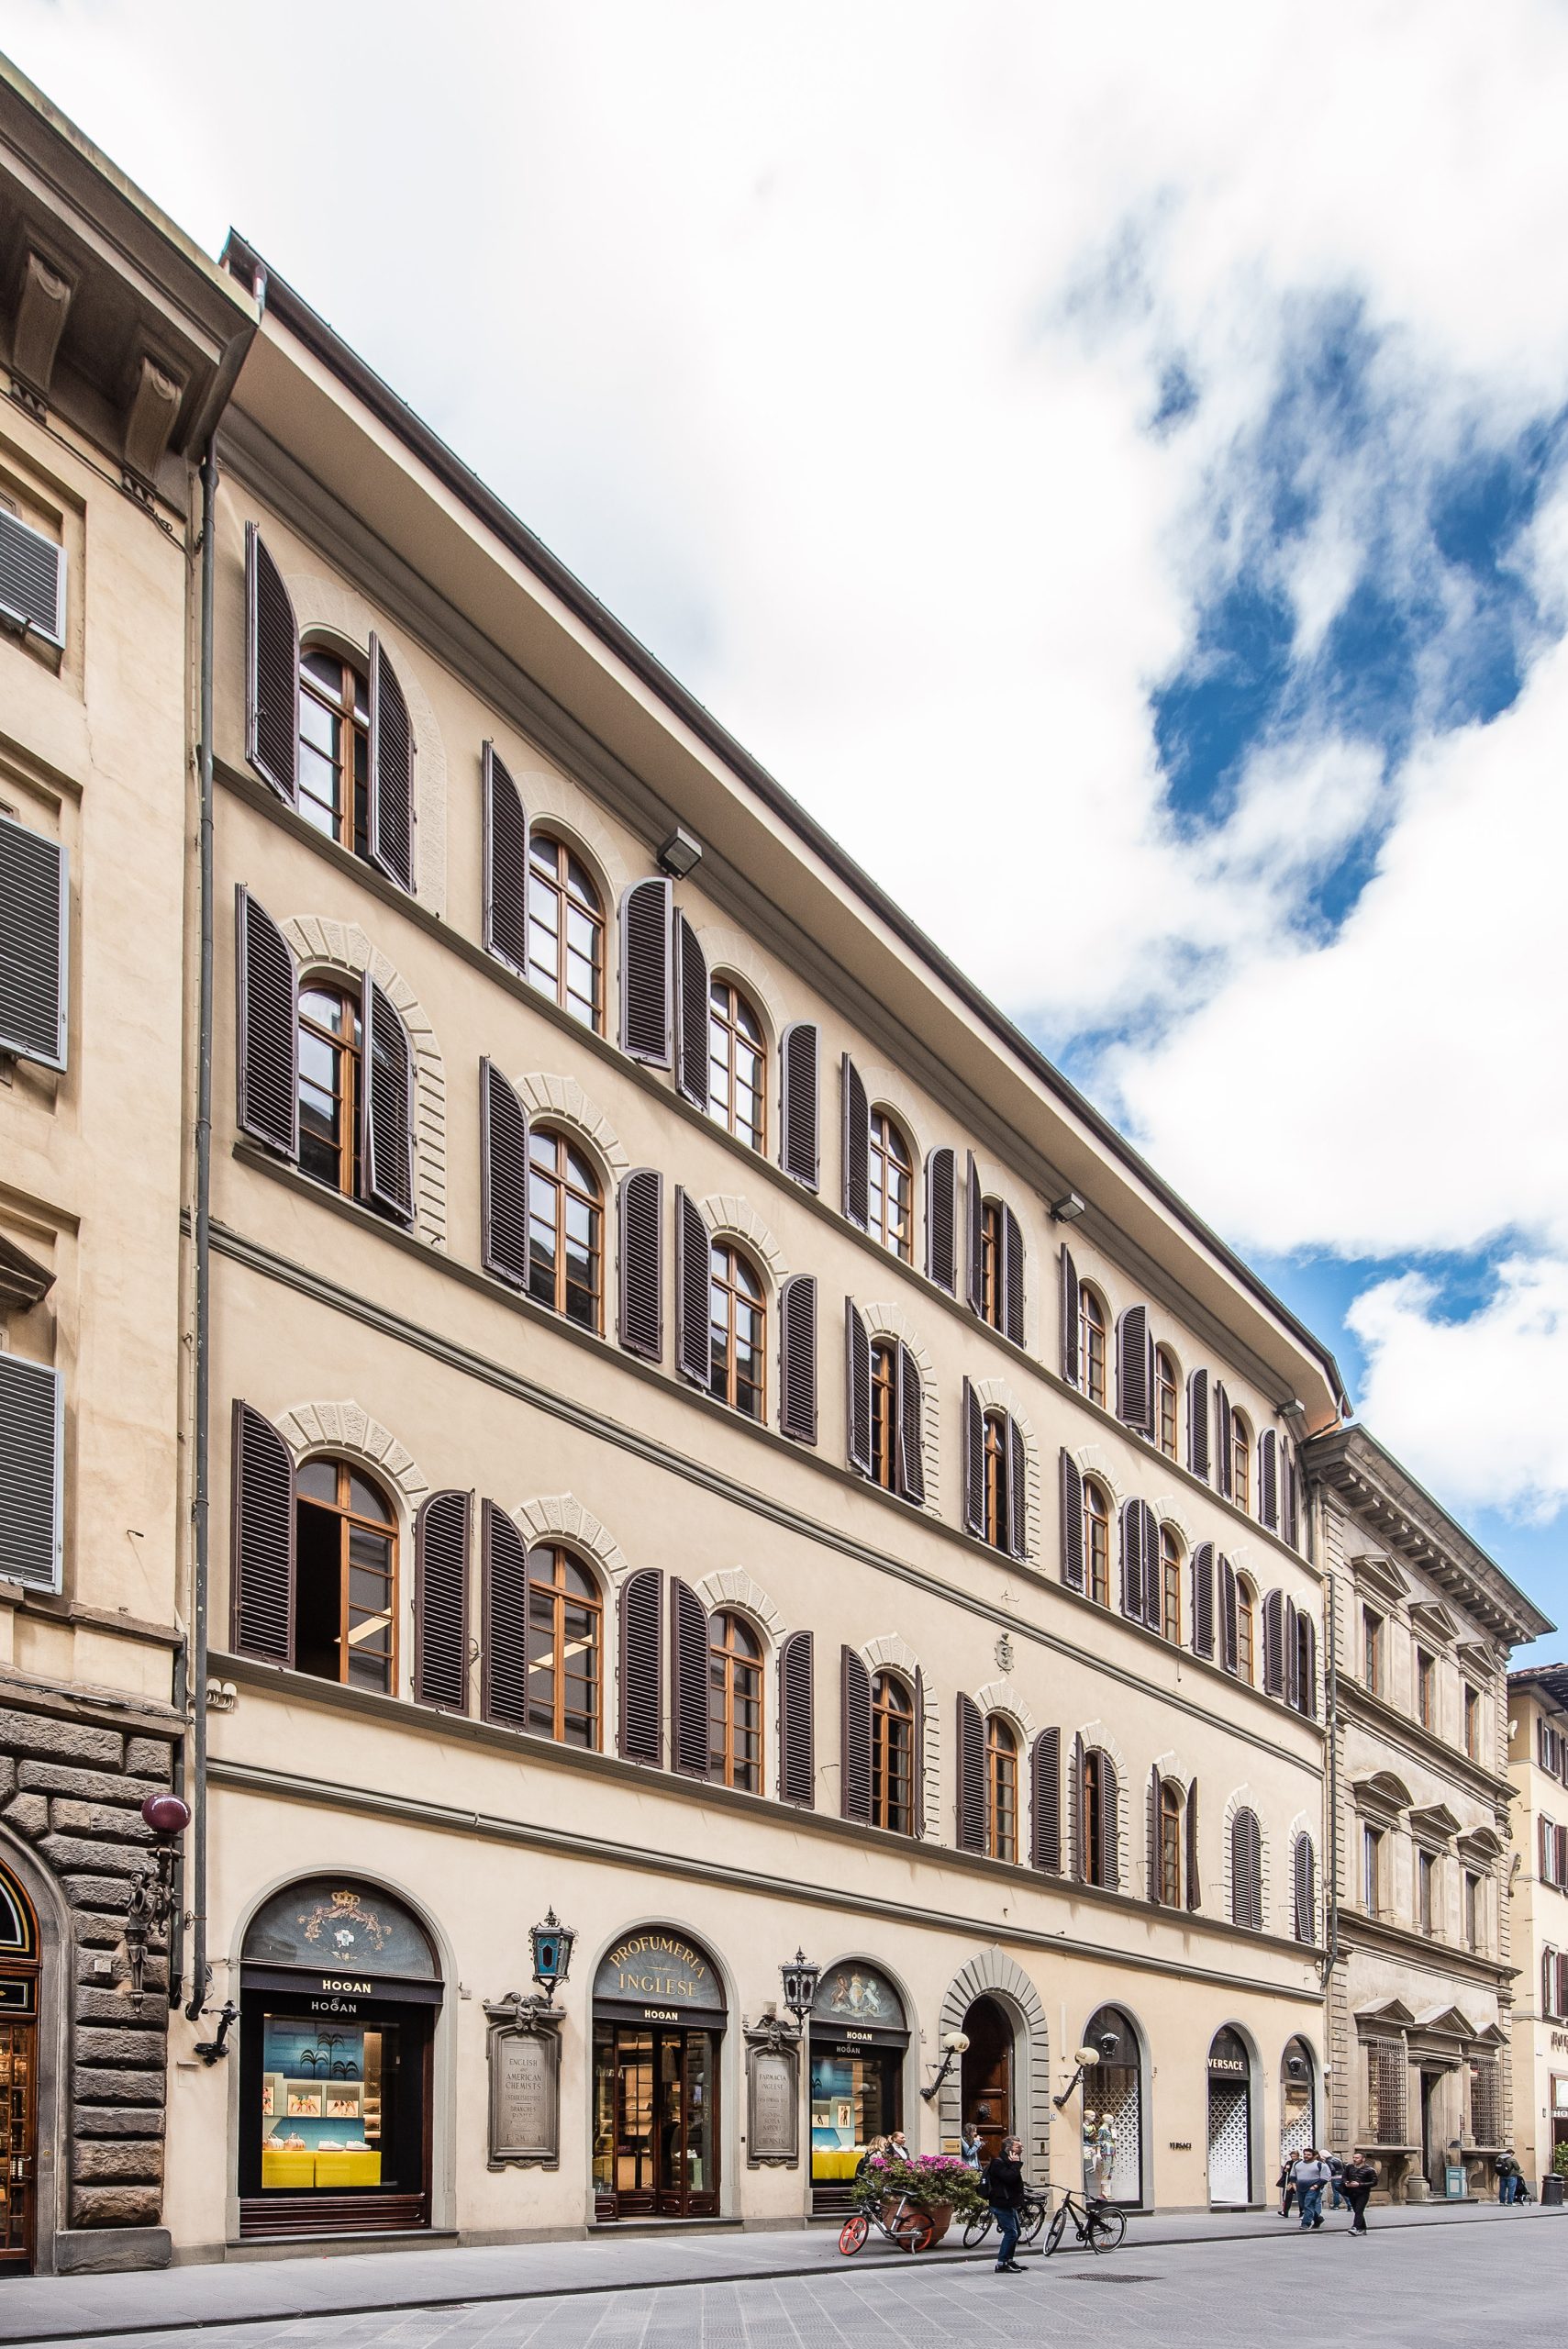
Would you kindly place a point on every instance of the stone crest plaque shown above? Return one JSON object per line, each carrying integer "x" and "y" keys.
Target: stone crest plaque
{"x": 772, "y": 2098}
{"x": 524, "y": 2050}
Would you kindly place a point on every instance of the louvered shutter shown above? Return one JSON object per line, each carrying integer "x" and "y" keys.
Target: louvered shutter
{"x": 504, "y": 1178}
{"x": 505, "y": 866}
{"x": 1135, "y": 1369}
{"x": 1307, "y": 1697}
{"x": 1132, "y": 1561}
{"x": 32, "y": 578}
{"x": 857, "y": 1390}
{"x": 1274, "y": 1643}
{"x": 1110, "y": 1821}
{"x": 1289, "y": 1500}
{"x": 1017, "y": 1491}
{"x": 797, "y": 1357}
{"x": 1194, "y": 1877}
{"x": 974, "y": 1462}
{"x": 271, "y": 672}
{"x": 1075, "y": 1820}
{"x": 1549, "y": 1984}
{"x": 1561, "y": 1840}
{"x": 1068, "y": 1317}
{"x": 1222, "y": 1438}
{"x": 797, "y": 1103}
{"x": 973, "y": 1226}
{"x": 392, "y": 773}
{"x": 797, "y": 1748}
{"x": 1012, "y": 1278}
{"x": 855, "y": 1159}
{"x": 688, "y": 1681}
{"x": 386, "y": 1105}
{"x": 440, "y": 1602}
{"x": 1197, "y": 1424}
{"x": 942, "y": 1217}
{"x": 1153, "y": 1594}
{"x": 503, "y": 1583}
{"x": 1045, "y": 1791}
{"x": 641, "y": 1660}
{"x": 1561, "y": 1983}
{"x": 645, "y": 972}
{"x": 35, "y": 954}
{"x": 1292, "y": 1657}
{"x": 263, "y": 1578}
{"x": 1268, "y": 1479}
{"x": 1230, "y": 1633}
{"x": 911, "y": 1432}
{"x": 1154, "y": 1852}
{"x": 1305, "y": 1890}
{"x": 1245, "y": 1871}
{"x": 642, "y": 1215}
{"x": 1203, "y": 1599}
{"x": 694, "y": 1339}
{"x": 970, "y": 1750}
{"x": 1071, "y": 1523}
{"x": 917, "y": 1756}
{"x": 854, "y": 1737}
{"x": 691, "y": 1013}
{"x": 268, "y": 1040}
{"x": 32, "y": 1456}
{"x": 1547, "y": 1842}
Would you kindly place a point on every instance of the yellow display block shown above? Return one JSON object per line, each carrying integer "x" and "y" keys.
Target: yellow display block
{"x": 348, "y": 2169}
{"x": 835, "y": 2161}
{"x": 280, "y": 2168}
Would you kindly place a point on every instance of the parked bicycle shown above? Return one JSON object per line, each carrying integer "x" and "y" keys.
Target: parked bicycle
{"x": 1030, "y": 2221}
{"x": 1100, "y": 2226}
{"x": 904, "y": 2224}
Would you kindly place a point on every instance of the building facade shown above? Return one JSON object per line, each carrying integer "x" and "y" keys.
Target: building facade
{"x": 1538, "y": 1765}
{"x": 1423, "y": 1981}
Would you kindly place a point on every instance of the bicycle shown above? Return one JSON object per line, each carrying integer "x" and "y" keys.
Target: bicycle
{"x": 1030, "y": 2221}
{"x": 1100, "y": 2226}
{"x": 908, "y": 2229}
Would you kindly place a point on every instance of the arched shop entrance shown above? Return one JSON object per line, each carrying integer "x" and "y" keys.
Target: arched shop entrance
{"x": 339, "y": 1991}
{"x": 18, "y": 2074}
{"x": 1113, "y": 2092}
{"x": 1229, "y": 2120}
{"x": 986, "y": 2068}
{"x": 1297, "y": 2100}
{"x": 860, "y": 2042}
{"x": 659, "y": 2021}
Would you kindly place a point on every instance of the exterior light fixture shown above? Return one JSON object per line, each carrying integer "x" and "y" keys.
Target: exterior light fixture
{"x": 552, "y": 1943}
{"x": 1067, "y": 1209}
{"x": 953, "y": 2045}
{"x": 1086, "y": 2058}
{"x": 680, "y": 853}
{"x": 800, "y": 1981}
{"x": 151, "y": 1887}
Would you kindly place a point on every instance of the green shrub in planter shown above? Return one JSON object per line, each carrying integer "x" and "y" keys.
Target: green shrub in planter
{"x": 1560, "y": 2160}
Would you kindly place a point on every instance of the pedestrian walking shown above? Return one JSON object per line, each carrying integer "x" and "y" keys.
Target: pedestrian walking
{"x": 969, "y": 2146}
{"x": 1286, "y": 2183}
{"x": 1509, "y": 2178}
{"x": 1360, "y": 2177}
{"x": 1336, "y": 2172}
{"x": 1311, "y": 2177}
{"x": 1002, "y": 2182}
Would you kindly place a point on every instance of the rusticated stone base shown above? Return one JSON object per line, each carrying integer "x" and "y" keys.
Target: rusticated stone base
{"x": 102, "y": 2251}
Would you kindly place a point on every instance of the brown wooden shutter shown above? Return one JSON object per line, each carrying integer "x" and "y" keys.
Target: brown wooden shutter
{"x": 33, "y": 1463}
{"x": 504, "y": 1178}
{"x": 1561, "y": 1983}
{"x": 1292, "y": 1657}
{"x": 857, "y": 1390}
{"x": 1045, "y": 1773}
{"x": 973, "y": 1230}
{"x": 505, "y": 866}
{"x": 268, "y": 1041}
{"x": 1306, "y": 1698}
{"x": 1071, "y": 1522}
{"x": 1290, "y": 1525}
{"x": 1230, "y": 1629}
{"x": 855, "y": 1159}
{"x": 971, "y": 1751}
{"x": 1203, "y": 1599}
{"x": 387, "y": 1105}
{"x": 1135, "y": 1369}
{"x": 1305, "y": 1890}
{"x": 1132, "y": 1561}
{"x": 694, "y": 1339}
{"x": 35, "y": 961}
{"x": 1194, "y": 1879}
{"x": 642, "y": 1662}
{"x": 797, "y": 1357}
{"x": 392, "y": 773}
{"x": 271, "y": 670}
{"x": 688, "y": 1681}
{"x": 1153, "y": 1595}
{"x": 1154, "y": 1886}
{"x": 974, "y": 1462}
{"x": 854, "y": 1737}
{"x": 799, "y": 1150}
{"x": 262, "y": 1575}
{"x": 503, "y": 1604}
{"x": 1548, "y": 1849}
{"x": 918, "y": 1777}
{"x": 1268, "y": 1479}
{"x": 1222, "y": 1438}
{"x": 1076, "y": 1820}
{"x": 645, "y": 972}
{"x": 691, "y": 1013}
{"x": 1197, "y": 1424}
{"x": 1246, "y": 1872}
{"x": 1274, "y": 1643}
{"x": 440, "y": 1602}
{"x": 797, "y": 1736}
{"x": 1110, "y": 1821}
{"x": 1561, "y": 1840}
{"x": 942, "y": 1217}
{"x": 911, "y": 1427}
{"x": 1068, "y": 1317}
{"x": 1549, "y": 1984}
{"x": 641, "y": 1214}
{"x": 1017, "y": 1491}
{"x": 1012, "y": 1278}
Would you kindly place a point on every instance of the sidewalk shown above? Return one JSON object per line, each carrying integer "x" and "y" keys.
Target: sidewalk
{"x": 270, "y": 2292}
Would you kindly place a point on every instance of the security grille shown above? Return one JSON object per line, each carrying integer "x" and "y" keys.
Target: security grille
{"x": 1229, "y": 2145}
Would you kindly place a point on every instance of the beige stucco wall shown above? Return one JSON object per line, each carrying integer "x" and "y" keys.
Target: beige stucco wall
{"x": 1540, "y": 1918}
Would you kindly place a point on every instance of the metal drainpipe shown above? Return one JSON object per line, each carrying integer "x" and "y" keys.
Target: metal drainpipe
{"x": 198, "y": 1790}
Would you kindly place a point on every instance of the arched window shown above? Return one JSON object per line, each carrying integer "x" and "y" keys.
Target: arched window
{"x": 566, "y": 931}
{"x": 1167, "y": 1392}
{"x": 735, "y": 1703}
{"x": 565, "y": 1229}
{"x": 737, "y": 1065}
{"x": 1247, "y": 1871}
{"x": 565, "y": 1647}
{"x": 1171, "y": 1585}
{"x": 334, "y": 749}
{"x": 1001, "y": 1789}
{"x": 1246, "y": 1619}
{"x": 738, "y": 1322}
{"x": 1098, "y": 1817}
{"x": 884, "y": 1414}
{"x": 1097, "y": 1541}
{"x": 892, "y": 1186}
{"x": 330, "y": 1071}
{"x": 1170, "y": 1845}
{"x": 1092, "y": 1343}
{"x": 892, "y": 1755}
{"x": 1240, "y": 1460}
{"x": 345, "y": 1577}
{"x": 997, "y": 1517}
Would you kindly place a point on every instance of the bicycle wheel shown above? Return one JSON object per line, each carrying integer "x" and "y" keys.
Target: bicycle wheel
{"x": 1106, "y": 2229}
{"x": 913, "y": 2230}
{"x": 1056, "y": 2229}
{"x": 852, "y": 2234}
{"x": 977, "y": 2230}
{"x": 1033, "y": 2219}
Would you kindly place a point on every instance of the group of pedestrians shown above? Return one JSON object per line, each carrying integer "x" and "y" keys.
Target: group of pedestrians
{"x": 1312, "y": 2175}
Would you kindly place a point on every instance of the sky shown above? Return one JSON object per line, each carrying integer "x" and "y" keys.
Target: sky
{"x": 1111, "y": 465}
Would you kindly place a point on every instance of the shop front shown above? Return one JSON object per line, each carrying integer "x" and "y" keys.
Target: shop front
{"x": 339, "y": 1997}
{"x": 859, "y": 2045}
{"x": 1113, "y": 2112}
{"x": 659, "y": 2024}
{"x": 1229, "y": 2120}
{"x": 18, "y": 2074}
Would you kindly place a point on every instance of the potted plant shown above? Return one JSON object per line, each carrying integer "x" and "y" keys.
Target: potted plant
{"x": 939, "y": 2184}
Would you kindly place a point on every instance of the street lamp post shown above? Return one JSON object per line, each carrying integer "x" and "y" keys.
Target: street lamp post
{"x": 1086, "y": 2058}
{"x": 954, "y": 2046}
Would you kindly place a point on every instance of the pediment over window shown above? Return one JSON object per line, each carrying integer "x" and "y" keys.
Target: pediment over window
{"x": 1382, "y": 1576}
{"x": 1390, "y": 2014}
{"x": 1382, "y": 1794}
{"x": 1482, "y": 1845}
{"x": 23, "y": 1280}
{"x": 1445, "y": 2022}
{"x": 1436, "y": 1622}
{"x": 1476, "y": 1659}
{"x": 1434, "y": 1823}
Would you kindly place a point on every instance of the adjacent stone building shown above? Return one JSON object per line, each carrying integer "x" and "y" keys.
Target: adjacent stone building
{"x": 1537, "y": 1767}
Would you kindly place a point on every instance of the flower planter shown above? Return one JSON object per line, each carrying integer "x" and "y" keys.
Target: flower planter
{"x": 939, "y": 2215}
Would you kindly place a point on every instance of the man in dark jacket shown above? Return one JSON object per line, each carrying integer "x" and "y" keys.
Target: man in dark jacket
{"x": 1002, "y": 2182}
{"x": 1360, "y": 2177}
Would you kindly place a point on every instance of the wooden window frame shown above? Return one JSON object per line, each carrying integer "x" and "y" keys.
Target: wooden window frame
{"x": 1246, "y": 1632}
{"x": 726, "y": 1041}
{"x": 563, "y": 1186}
{"x": 351, "y": 733}
{"x": 560, "y": 1599}
{"x": 724, "y": 1382}
{"x": 1374, "y": 1860}
{"x": 1096, "y": 1543}
{"x": 1473, "y": 1919}
{"x": 1240, "y": 1462}
{"x": 566, "y": 899}
{"x": 888, "y": 1810}
{"x": 384, "y": 1528}
{"x": 348, "y": 1051}
{"x": 1092, "y": 1322}
{"x": 1001, "y": 1788}
{"x": 1170, "y": 1855}
{"x": 1170, "y": 1586}
{"x": 1373, "y": 1625}
{"x": 1426, "y": 1689}
{"x": 1471, "y": 1721}
{"x": 992, "y": 1263}
{"x": 997, "y": 1516}
{"x": 890, "y": 1148}
{"x": 885, "y": 1413}
{"x": 1089, "y": 1813}
{"x": 1426, "y": 1891}
{"x": 1167, "y": 1404}
{"x": 729, "y": 1667}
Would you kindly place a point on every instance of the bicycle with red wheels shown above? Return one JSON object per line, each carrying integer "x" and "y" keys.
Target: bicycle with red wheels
{"x": 898, "y": 2222}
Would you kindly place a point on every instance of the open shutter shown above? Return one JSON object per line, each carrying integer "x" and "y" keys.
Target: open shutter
{"x": 1071, "y": 1522}
{"x": 1292, "y": 1657}
{"x": 1307, "y": 1697}
{"x": 1197, "y": 1424}
{"x": 1268, "y": 1479}
{"x": 1153, "y": 1594}
{"x": 691, "y": 1013}
{"x": 503, "y": 1583}
{"x": 1110, "y": 1821}
{"x": 1563, "y": 1983}
{"x": 854, "y": 1737}
{"x": 642, "y": 1658}
{"x": 386, "y": 1105}
{"x": 688, "y": 1681}
{"x": 856, "y": 1155}
{"x": 504, "y": 1178}
{"x": 1017, "y": 1491}
{"x": 1229, "y": 1641}
{"x": 1135, "y": 1369}
{"x": 1305, "y": 1892}
{"x": 1133, "y": 1564}
{"x": 918, "y": 1755}
{"x": 911, "y": 1429}
{"x": 970, "y": 1777}
{"x": 797, "y": 1357}
{"x": 798, "y": 1750}
{"x": 645, "y": 972}
{"x": 973, "y": 1237}
{"x": 797, "y": 1103}
{"x": 440, "y": 1602}
{"x": 974, "y": 1462}
{"x": 267, "y": 1042}
{"x": 1547, "y": 1844}
{"x": 1075, "y": 1820}
{"x": 1548, "y": 1983}
{"x": 857, "y": 1390}
{"x": 1290, "y": 1504}
{"x": 1068, "y": 1317}
{"x": 35, "y": 960}
{"x": 942, "y": 1217}
{"x": 1274, "y": 1643}
{"x": 32, "y": 578}
{"x": 392, "y": 773}
{"x": 1154, "y": 1854}
{"x": 1222, "y": 1438}
{"x": 1012, "y": 1278}
{"x": 1203, "y": 1599}
{"x": 694, "y": 1339}
{"x": 32, "y": 1456}
{"x": 261, "y": 1578}
{"x": 1045, "y": 1772}
{"x": 641, "y": 1269}
{"x": 505, "y": 866}
{"x": 1194, "y": 1879}
{"x": 271, "y": 672}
